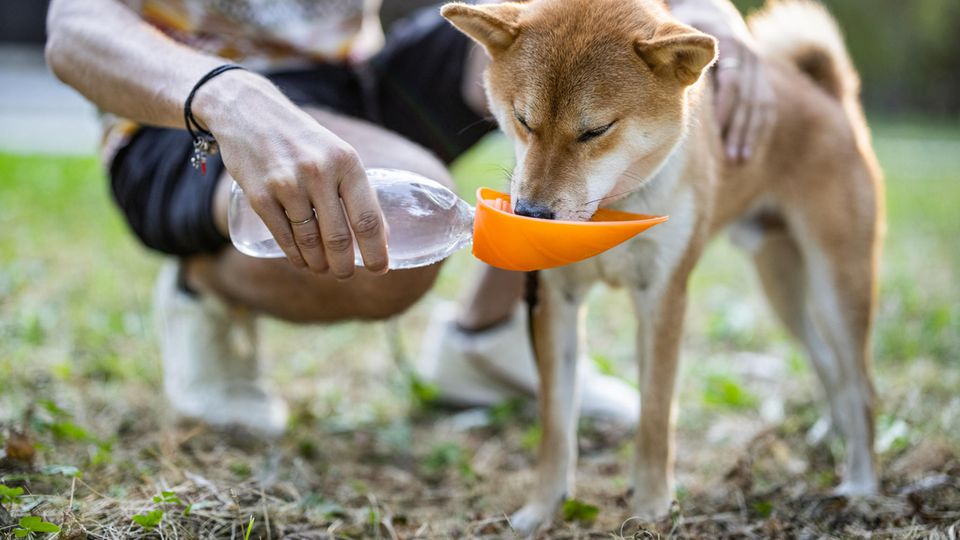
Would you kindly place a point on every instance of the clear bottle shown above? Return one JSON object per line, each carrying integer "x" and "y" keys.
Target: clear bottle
{"x": 425, "y": 221}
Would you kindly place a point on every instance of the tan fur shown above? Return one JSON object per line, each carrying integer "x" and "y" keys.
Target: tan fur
{"x": 811, "y": 198}
{"x": 803, "y": 32}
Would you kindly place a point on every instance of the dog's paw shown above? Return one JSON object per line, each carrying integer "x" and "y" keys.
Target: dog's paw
{"x": 531, "y": 518}
{"x": 856, "y": 488}
{"x": 650, "y": 506}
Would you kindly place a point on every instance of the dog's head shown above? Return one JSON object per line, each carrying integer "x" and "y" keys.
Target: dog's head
{"x": 586, "y": 89}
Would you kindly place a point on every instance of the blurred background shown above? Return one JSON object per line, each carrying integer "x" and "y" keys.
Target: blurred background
{"x": 79, "y": 367}
{"x": 906, "y": 51}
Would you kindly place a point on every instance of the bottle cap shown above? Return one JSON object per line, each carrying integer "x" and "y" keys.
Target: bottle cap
{"x": 511, "y": 242}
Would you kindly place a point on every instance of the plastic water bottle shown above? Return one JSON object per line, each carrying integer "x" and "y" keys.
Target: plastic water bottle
{"x": 425, "y": 221}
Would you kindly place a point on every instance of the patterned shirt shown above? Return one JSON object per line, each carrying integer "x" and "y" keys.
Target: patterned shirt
{"x": 260, "y": 34}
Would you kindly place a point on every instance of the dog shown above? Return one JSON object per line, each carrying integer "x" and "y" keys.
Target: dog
{"x": 606, "y": 104}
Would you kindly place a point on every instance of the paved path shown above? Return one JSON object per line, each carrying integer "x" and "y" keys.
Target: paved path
{"x": 38, "y": 113}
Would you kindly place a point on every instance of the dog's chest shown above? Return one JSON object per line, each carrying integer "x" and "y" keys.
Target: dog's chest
{"x": 646, "y": 261}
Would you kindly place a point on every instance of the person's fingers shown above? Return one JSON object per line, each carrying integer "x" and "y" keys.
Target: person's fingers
{"x": 306, "y": 232}
{"x": 321, "y": 182}
{"x": 743, "y": 113}
{"x": 298, "y": 211}
{"x": 273, "y": 216}
{"x": 366, "y": 220}
{"x": 726, "y": 97}
{"x": 768, "y": 108}
{"x": 760, "y": 119}
{"x": 726, "y": 79}
{"x": 754, "y": 115}
{"x": 734, "y": 140}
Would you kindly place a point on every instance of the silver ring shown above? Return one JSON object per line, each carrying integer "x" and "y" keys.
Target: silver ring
{"x": 302, "y": 222}
{"x": 728, "y": 63}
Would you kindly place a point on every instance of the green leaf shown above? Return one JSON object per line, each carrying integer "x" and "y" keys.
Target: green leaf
{"x": 506, "y": 413}
{"x": 725, "y": 391}
{"x": 325, "y": 507}
{"x": 240, "y": 469}
{"x": 10, "y": 495}
{"x": 424, "y": 393}
{"x": 442, "y": 456}
{"x": 69, "y": 431}
{"x": 149, "y": 520}
{"x": 763, "y": 508}
{"x": 20, "y": 533}
{"x": 35, "y": 524}
{"x": 167, "y": 497}
{"x": 65, "y": 470}
{"x": 574, "y": 510}
{"x": 249, "y": 529}
{"x": 55, "y": 411}
{"x": 531, "y": 438}
{"x": 604, "y": 365}
{"x": 103, "y": 454}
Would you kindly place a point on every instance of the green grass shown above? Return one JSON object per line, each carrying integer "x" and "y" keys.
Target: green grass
{"x": 79, "y": 369}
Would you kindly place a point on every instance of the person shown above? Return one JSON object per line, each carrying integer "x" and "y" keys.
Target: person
{"x": 323, "y": 96}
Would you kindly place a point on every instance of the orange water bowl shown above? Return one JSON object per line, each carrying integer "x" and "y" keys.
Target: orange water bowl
{"x": 511, "y": 242}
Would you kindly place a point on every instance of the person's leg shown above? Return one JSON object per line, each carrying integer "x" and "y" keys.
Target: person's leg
{"x": 491, "y": 298}
{"x": 206, "y": 305}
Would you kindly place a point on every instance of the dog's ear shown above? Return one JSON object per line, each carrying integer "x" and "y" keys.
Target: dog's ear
{"x": 678, "y": 51}
{"x": 494, "y": 26}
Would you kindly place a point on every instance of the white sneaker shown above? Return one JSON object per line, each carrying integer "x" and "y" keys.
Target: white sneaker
{"x": 487, "y": 367}
{"x": 211, "y": 370}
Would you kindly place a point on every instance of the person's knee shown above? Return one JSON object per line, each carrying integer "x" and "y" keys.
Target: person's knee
{"x": 395, "y": 292}
{"x": 276, "y": 288}
{"x": 365, "y": 297}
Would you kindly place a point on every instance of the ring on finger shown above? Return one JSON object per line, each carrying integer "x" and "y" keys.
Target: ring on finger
{"x": 312, "y": 217}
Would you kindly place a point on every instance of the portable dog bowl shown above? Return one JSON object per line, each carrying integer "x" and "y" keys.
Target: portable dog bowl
{"x": 511, "y": 242}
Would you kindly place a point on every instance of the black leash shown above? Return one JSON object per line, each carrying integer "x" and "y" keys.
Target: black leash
{"x": 532, "y": 297}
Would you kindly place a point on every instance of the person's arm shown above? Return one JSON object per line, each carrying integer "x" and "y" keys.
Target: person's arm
{"x": 284, "y": 160}
{"x": 745, "y": 103}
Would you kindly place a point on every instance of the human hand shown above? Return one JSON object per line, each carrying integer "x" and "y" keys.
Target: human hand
{"x": 745, "y": 100}
{"x": 307, "y": 185}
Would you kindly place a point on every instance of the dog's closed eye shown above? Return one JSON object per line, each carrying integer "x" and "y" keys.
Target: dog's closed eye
{"x": 594, "y": 133}
{"x": 522, "y": 121}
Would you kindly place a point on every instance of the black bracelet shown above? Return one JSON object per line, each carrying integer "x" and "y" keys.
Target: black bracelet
{"x": 203, "y": 142}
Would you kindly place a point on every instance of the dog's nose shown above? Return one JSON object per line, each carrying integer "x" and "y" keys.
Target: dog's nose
{"x": 529, "y": 209}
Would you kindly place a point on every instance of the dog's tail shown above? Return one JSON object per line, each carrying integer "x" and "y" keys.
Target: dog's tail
{"x": 804, "y": 33}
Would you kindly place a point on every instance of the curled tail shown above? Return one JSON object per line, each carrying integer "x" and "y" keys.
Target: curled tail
{"x": 803, "y": 32}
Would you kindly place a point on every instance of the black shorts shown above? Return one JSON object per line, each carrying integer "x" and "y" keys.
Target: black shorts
{"x": 412, "y": 87}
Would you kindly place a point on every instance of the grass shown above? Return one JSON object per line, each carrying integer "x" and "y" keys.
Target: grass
{"x": 88, "y": 444}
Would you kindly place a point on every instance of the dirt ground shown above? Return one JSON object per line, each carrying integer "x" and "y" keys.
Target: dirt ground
{"x": 367, "y": 458}
{"x": 87, "y": 442}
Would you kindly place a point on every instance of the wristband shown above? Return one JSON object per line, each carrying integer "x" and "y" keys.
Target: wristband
{"x": 203, "y": 142}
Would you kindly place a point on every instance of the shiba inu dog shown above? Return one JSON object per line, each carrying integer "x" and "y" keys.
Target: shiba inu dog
{"x": 607, "y": 105}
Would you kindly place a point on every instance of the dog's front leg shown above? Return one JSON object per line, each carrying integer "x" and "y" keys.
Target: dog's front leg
{"x": 660, "y": 316}
{"x": 557, "y": 327}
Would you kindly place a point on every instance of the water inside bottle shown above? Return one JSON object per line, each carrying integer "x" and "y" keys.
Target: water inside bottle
{"x": 426, "y": 222}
